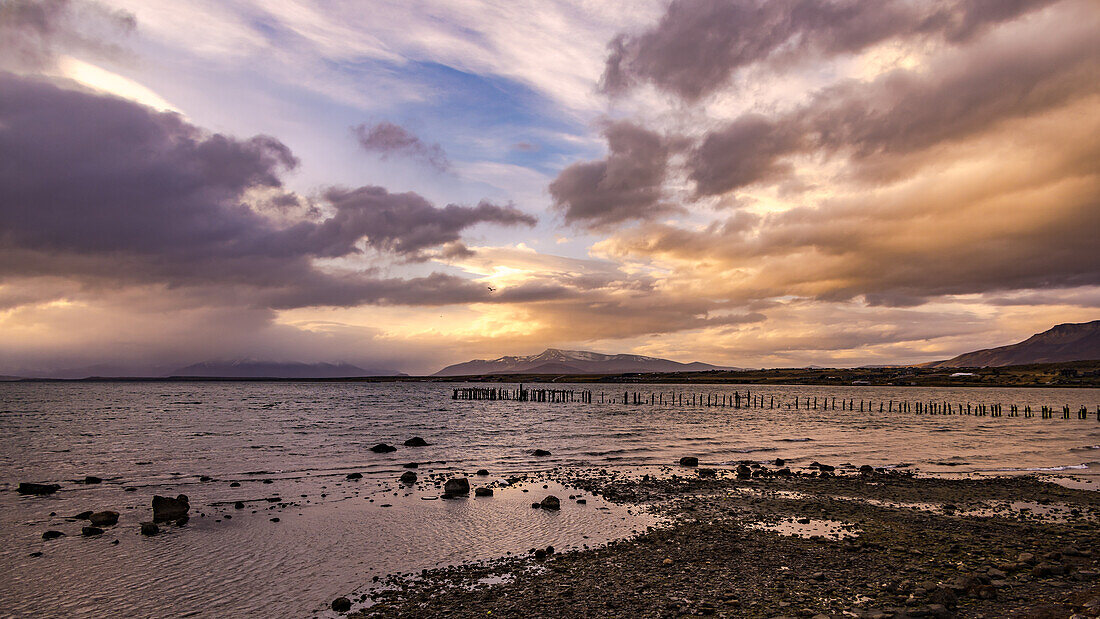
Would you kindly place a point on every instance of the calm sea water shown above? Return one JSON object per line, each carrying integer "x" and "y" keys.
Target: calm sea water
{"x": 334, "y": 535}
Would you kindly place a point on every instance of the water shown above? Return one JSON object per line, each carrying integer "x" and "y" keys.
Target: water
{"x": 335, "y": 535}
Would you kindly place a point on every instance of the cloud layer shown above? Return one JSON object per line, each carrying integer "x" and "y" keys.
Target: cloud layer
{"x": 389, "y": 139}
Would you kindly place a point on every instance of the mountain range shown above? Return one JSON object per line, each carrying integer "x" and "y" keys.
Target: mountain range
{"x": 251, "y": 368}
{"x": 554, "y": 361}
{"x": 1061, "y": 343}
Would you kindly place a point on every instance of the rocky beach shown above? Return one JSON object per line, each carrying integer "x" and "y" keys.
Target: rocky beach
{"x": 766, "y": 541}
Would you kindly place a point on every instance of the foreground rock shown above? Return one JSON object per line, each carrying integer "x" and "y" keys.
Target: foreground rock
{"x": 551, "y": 502}
{"x": 382, "y": 448}
{"x": 52, "y": 535}
{"x": 416, "y": 441}
{"x": 167, "y": 508}
{"x": 408, "y": 477}
{"x": 149, "y": 529}
{"x": 483, "y": 491}
{"x": 689, "y": 461}
{"x": 341, "y": 605}
{"x": 37, "y": 489}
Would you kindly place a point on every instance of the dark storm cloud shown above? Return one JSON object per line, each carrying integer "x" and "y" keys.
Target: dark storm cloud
{"x": 627, "y": 185}
{"x": 102, "y": 189}
{"x": 388, "y": 139}
{"x": 699, "y": 45}
{"x": 34, "y": 32}
{"x": 901, "y": 112}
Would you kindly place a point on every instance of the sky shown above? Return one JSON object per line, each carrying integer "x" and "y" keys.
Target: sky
{"x": 404, "y": 185}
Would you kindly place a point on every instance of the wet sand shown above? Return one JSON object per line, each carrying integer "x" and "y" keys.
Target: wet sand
{"x": 876, "y": 544}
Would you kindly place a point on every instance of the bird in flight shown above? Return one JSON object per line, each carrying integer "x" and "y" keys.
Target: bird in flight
{"x": 491, "y": 289}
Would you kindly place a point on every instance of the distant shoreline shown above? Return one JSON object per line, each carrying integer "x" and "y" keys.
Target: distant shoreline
{"x": 1082, "y": 374}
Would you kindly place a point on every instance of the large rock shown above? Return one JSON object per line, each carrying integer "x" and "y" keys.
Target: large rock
{"x": 167, "y": 508}
{"x": 689, "y": 461}
{"x": 408, "y": 477}
{"x": 416, "y": 441}
{"x": 341, "y": 605}
{"x": 541, "y": 453}
{"x": 551, "y": 502}
{"x": 483, "y": 491}
{"x": 459, "y": 485}
{"x": 382, "y": 448}
{"x": 104, "y": 518}
{"x": 38, "y": 489}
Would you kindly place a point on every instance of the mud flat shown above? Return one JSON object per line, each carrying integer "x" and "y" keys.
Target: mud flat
{"x": 873, "y": 544}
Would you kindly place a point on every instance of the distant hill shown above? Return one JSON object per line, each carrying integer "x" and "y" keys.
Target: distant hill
{"x": 251, "y": 368}
{"x": 554, "y": 361}
{"x": 1066, "y": 342}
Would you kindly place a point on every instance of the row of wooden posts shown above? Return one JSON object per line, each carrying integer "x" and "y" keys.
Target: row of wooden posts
{"x": 749, "y": 400}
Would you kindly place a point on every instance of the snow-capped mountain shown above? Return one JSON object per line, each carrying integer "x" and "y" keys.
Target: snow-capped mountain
{"x": 554, "y": 361}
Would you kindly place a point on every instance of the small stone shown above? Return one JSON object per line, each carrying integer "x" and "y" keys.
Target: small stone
{"x": 689, "y": 461}
{"x": 743, "y": 472}
{"x": 104, "y": 518}
{"x": 866, "y": 470}
{"x": 780, "y": 462}
{"x": 551, "y": 502}
{"x": 92, "y": 479}
{"x": 458, "y": 485}
{"x": 235, "y": 484}
{"x": 482, "y": 473}
{"x": 238, "y": 505}
{"x": 205, "y": 478}
{"x": 52, "y": 535}
{"x": 411, "y": 465}
{"x": 167, "y": 508}
{"x": 667, "y": 562}
{"x": 416, "y": 441}
{"x": 707, "y": 473}
{"x": 353, "y": 476}
{"x": 483, "y": 492}
{"x": 37, "y": 489}
{"x": 149, "y": 529}
{"x": 408, "y": 477}
{"x": 91, "y": 531}
{"x": 341, "y": 605}
{"x": 276, "y": 519}
{"x": 541, "y": 453}
{"x": 382, "y": 448}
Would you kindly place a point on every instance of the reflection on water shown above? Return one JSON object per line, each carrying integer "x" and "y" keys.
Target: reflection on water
{"x": 298, "y": 441}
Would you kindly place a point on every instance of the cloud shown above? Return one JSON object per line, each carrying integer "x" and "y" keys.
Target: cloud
{"x": 699, "y": 45}
{"x": 109, "y": 192}
{"x": 389, "y": 139}
{"x": 34, "y": 33}
{"x": 625, "y": 186}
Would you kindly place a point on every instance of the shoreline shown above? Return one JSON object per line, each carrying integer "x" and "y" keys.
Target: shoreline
{"x": 878, "y": 544}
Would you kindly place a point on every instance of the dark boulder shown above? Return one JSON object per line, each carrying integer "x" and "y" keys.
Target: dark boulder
{"x": 408, "y": 477}
{"x": 784, "y": 472}
{"x": 482, "y": 472}
{"x": 483, "y": 491}
{"x": 235, "y": 484}
{"x": 459, "y": 485}
{"x": 541, "y": 453}
{"x": 866, "y": 470}
{"x": 416, "y": 441}
{"x": 689, "y": 461}
{"x": 708, "y": 473}
{"x": 205, "y": 478}
{"x": 37, "y": 489}
{"x": 780, "y": 462}
{"x": 411, "y": 465}
{"x": 743, "y": 472}
{"x": 91, "y": 531}
{"x": 104, "y": 518}
{"x": 382, "y": 448}
{"x": 238, "y": 505}
{"x": 149, "y": 529}
{"x": 354, "y": 476}
{"x": 551, "y": 502}
{"x": 92, "y": 479}
{"x": 83, "y": 515}
{"x": 167, "y": 508}
{"x": 341, "y": 605}
{"x": 52, "y": 535}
